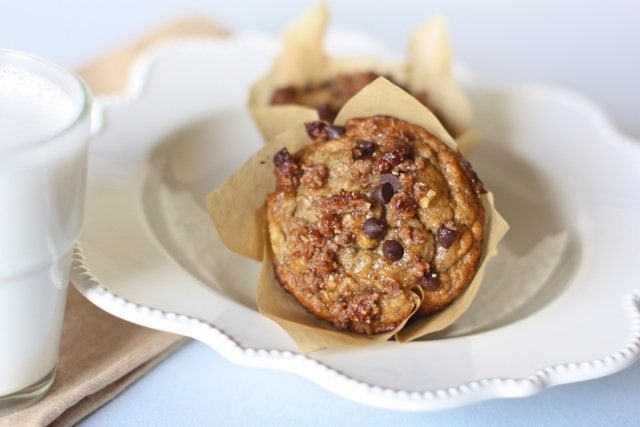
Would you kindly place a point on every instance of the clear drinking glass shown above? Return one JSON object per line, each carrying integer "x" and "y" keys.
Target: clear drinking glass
{"x": 44, "y": 135}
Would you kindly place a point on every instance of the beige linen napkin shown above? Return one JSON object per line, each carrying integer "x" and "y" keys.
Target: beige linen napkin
{"x": 100, "y": 355}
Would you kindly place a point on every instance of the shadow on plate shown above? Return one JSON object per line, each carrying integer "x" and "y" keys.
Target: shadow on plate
{"x": 182, "y": 169}
{"x": 540, "y": 254}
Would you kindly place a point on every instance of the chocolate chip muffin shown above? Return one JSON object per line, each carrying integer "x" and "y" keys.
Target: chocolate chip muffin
{"x": 327, "y": 97}
{"x": 373, "y": 219}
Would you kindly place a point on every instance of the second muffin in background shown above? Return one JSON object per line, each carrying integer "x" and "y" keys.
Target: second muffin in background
{"x": 303, "y": 75}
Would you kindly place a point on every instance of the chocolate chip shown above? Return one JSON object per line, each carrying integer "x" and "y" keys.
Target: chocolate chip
{"x": 316, "y": 130}
{"x": 392, "y": 250}
{"x": 285, "y": 95}
{"x": 323, "y": 130}
{"x": 325, "y": 111}
{"x": 363, "y": 150}
{"x": 446, "y": 236}
{"x": 281, "y": 157}
{"x": 334, "y": 131}
{"x": 430, "y": 282}
{"x": 391, "y": 179}
{"x": 374, "y": 228}
{"x": 382, "y": 193}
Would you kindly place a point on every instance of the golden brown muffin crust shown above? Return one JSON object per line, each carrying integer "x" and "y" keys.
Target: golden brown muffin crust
{"x": 369, "y": 216}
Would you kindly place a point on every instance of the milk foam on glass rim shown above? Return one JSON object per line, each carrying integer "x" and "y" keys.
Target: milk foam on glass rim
{"x": 44, "y": 129}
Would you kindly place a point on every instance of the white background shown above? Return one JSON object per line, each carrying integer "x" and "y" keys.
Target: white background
{"x": 590, "y": 47}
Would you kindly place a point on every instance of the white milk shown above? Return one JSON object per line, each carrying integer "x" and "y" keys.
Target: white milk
{"x": 31, "y": 108}
{"x": 42, "y": 175}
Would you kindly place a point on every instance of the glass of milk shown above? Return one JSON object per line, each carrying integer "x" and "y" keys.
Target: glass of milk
{"x": 44, "y": 134}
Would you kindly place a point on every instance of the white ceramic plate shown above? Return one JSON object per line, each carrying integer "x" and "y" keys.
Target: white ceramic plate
{"x": 560, "y": 303}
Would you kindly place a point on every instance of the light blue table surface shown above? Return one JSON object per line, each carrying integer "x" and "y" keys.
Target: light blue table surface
{"x": 591, "y": 47}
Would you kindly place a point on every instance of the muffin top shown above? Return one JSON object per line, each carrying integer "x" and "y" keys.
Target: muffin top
{"x": 328, "y": 96}
{"x": 374, "y": 221}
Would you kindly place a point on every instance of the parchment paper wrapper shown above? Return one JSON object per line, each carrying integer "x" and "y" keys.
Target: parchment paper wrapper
{"x": 428, "y": 68}
{"x": 237, "y": 209}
